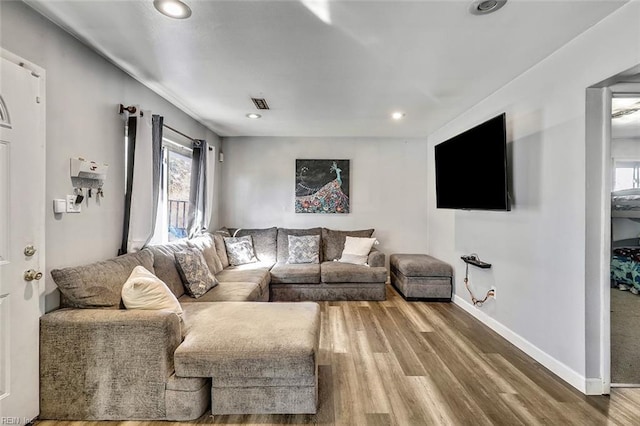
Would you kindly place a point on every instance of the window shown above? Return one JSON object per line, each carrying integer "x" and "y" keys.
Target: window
{"x": 173, "y": 206}
{"x": 178, "y": 168}
{"x": 626, "y": 175}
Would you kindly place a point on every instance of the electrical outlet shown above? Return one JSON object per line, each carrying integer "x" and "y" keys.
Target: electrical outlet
{"x": 72, "y": 207}
{"x": 493, "y": 289}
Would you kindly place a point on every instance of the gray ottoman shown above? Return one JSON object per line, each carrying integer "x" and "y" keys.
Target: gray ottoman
{"x": 262, "y": 357}
{"x": 421, "y": 277}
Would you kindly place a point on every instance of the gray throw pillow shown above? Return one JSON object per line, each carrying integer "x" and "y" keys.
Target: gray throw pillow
{"x": 304, "y": 249}
{"x": 240, "y": 250}
{"x": 195, "y": 273}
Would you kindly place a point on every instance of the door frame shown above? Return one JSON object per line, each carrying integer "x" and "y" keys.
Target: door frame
{"x": 598, "y": 228}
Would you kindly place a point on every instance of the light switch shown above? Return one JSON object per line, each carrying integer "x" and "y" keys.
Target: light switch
{"x": 72, "y": 207}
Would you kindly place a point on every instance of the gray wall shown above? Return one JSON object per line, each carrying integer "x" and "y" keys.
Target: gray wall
{"x": 388, "y": 186}
{"x": 538, "y": 249}
{"x": 83, "y": 90}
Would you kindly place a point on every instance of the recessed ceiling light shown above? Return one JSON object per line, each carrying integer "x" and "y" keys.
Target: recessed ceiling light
{"x": 172, "y": 8}
{"x": 253, "y": 115}
{"x": 482, "y": 7}
{"x": 397, "y": 115}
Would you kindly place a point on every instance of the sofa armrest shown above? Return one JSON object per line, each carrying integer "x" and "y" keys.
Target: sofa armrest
{"x": 376, "y": 257}
{"x": 106, "y": 364}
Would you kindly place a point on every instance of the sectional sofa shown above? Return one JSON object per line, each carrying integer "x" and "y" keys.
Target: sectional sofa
{"x": 229, "y": 349}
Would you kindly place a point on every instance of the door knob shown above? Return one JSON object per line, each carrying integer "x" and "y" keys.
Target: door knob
{"x": 31, "y": 275}
{"x": 29, "y": 250}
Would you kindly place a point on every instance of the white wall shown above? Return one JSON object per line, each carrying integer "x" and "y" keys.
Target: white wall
{"x": 388, "y": 186}
{"x": 83, "y": 90}
{"x": 538, "y": 249}
{"x": 626, "y": 148}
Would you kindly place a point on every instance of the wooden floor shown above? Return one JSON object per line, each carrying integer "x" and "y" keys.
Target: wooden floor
{"x": 417, "y": 363}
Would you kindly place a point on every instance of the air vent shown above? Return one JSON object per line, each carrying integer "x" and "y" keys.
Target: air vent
{"x": 260, "y": 103}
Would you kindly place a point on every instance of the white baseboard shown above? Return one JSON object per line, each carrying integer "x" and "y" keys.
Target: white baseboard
{"x": 584, "y": 385}
{"x": 595, "y": 387}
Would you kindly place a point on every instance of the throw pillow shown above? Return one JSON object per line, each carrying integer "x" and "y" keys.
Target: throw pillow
{"x": 240, "y": 250}
{"x": 356, "y": 250}
{"x": 304, "y": 249}
{"x": 218, "y": 238}
{"x": 207, "y": 246}
{"x": 196, "y": 276}
{"x": 333, "y": 241}
{"x": 143, "y": 290}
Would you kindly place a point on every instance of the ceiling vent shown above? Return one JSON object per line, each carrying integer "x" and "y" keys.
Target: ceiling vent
{"x": 260, "y": 103}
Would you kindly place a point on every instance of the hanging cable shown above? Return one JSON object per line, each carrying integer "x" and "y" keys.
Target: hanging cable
{"x": 475, "y": 301}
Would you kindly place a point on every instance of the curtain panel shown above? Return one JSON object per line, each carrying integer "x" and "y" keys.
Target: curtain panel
{"x": 144, "y": 173}
{"x": 201, "y": 195}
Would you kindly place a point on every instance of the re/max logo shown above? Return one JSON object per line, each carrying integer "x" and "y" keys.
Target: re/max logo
{"x": 15, "y": 421}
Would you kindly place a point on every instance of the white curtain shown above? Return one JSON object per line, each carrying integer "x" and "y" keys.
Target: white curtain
{"x": 143, "y": 181}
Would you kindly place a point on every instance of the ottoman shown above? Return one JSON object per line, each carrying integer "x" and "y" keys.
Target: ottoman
{"x": 421, "y": 277}
{"x": 261, "y": 357}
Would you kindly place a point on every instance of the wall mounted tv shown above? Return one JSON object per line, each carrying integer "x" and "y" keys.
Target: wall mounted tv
{"x": 471, "y": 168}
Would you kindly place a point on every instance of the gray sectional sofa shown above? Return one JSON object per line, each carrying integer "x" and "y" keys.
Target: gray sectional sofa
{"x": 229, "y": 350}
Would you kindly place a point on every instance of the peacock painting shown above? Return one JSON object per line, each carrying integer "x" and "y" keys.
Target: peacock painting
{"x": 322, "y": 186}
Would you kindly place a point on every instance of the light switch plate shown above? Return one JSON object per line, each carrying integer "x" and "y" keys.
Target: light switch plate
{"x": 72, "y": 207}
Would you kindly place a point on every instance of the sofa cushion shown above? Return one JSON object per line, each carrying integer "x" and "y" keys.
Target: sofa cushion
{"x": 207, "y": 246}
{"x": 333, "y": 241}
{"x": 221, "y": 249}
{"x": 420, "y": 265}
{"x": 164, "y": 264}
{"x": 99, "y": 284}
{"x": 303, "y": 273}
{"x": 264, "y": 242}
{"x": 304, "y": 249}
{"x": 258, "y": 276}
{"x": 283, "y": 241}
{"x": 235, "y": 340}
{"x": 240, "y": 250}
{"x": 229, "y": 292}
{"x": 196, "y": 276}
{"x": 337, "y": 272}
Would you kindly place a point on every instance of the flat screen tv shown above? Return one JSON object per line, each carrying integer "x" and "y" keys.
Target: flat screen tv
{"x": 471, "y": 168}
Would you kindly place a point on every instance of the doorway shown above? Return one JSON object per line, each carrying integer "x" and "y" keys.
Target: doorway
{"x": 625, "y": 236}
{"x": 599, "y": 179}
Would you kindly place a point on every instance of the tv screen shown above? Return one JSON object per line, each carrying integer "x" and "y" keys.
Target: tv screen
{"x": 471, "y": 168}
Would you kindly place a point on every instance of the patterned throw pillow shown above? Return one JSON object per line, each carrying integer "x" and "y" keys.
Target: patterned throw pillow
{"x": 240, "y": 250}
{"x": 304, "y": 249}
{"x": 195, "y": 273}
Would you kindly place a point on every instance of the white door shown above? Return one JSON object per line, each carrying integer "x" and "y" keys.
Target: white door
{"x": 22, "y": 191}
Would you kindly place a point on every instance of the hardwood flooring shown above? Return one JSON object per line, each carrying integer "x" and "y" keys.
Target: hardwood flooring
{"x": 416, "y": 363}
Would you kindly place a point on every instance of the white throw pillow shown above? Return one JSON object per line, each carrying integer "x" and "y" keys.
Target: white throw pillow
{"x": 143, "y": 290}
{"x": 356, "y": 250}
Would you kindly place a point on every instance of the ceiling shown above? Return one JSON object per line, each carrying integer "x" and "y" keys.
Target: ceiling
{"x": 326, "y": 68}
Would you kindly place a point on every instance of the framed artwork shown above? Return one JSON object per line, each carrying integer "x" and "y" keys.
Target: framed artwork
{"x": 322, "y": 186}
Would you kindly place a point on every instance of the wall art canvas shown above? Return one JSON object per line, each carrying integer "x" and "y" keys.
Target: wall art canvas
{"x": 322, "y": 186}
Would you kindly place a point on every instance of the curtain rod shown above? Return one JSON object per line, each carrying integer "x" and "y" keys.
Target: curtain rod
{"x": 179, "y": 132}
{"x": 131, "y": 109}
